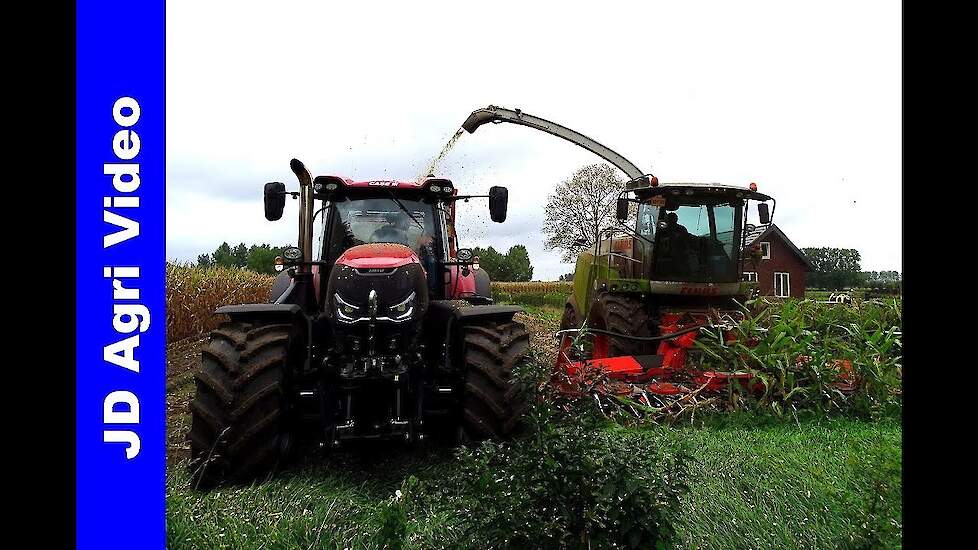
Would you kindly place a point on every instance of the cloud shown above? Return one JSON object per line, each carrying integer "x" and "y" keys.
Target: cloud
{"x": 806, "y": 102}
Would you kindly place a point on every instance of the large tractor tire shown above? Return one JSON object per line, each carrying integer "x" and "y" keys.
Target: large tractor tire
{"x": 493, "y": 403}
{"x": 621, "y": 314}
{"x": 238, "y": 427}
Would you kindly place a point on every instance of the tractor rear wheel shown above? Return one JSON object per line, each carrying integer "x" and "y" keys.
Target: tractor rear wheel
{"x": 238, "y": 428}
{"x": 493, "y": 402}
{"x": 621, "y": 314}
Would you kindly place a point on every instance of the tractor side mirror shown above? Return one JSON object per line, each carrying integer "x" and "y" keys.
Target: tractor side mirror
{"x": 763, "y": 213}
{"x": 274, "y": 200}
{"x": 498, "y": 201}
{"x": 621, "y": 210}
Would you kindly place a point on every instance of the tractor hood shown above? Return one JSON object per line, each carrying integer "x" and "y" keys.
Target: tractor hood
{"x": 378, "y": 256}
{"x": 379, "y": 282}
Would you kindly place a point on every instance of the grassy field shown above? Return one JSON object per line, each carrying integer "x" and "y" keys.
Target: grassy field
{"x": 827, "y": 484}
{"x": 742, "y": 480}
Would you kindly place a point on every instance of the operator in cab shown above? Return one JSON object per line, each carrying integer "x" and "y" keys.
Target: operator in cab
{"x": 400, "y": 232}
{"x": 673, "y": 245}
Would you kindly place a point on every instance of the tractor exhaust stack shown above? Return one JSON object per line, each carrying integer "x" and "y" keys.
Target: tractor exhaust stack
{"x": 306, "y": 210}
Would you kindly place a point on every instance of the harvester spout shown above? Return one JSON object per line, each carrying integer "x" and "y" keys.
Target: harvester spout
{"x": 515, "y": 116}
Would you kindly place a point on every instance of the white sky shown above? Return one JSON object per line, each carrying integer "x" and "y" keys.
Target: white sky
{"x": 804, "y": 99}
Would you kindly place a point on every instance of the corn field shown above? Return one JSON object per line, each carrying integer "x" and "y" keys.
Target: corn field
{"x": 797, "y": 349}
{"x": 193, "y": 293}
{"x": 804, "y": 356}
{"x": 793, "y": 346}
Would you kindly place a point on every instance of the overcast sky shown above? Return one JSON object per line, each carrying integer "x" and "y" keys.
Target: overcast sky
{"x": 802, "y": 98}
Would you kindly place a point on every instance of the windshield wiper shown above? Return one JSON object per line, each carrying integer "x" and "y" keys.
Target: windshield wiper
{"x": 405, "y": 210}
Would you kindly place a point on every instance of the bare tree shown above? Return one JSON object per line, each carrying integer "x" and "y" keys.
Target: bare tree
{"x": 579, "y": 207}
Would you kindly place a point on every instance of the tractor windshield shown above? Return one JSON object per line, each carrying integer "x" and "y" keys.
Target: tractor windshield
{"x": 694, "y": 242}
{"x": 383, "y": 219}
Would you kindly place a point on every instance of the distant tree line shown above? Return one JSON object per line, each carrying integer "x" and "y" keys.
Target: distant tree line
{"x": 514, "y": 265}
{"x": 838, "y": 268}
{"x": 883, "y": 280}
{"x": 257, "y": 257}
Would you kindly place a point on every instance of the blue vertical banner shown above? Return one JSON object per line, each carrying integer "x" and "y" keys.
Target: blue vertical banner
{"x": 120, "y": 315}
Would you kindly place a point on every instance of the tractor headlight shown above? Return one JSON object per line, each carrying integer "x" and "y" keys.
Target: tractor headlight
{"x": 344, "y": 310}
{"x": 402, "y": 311}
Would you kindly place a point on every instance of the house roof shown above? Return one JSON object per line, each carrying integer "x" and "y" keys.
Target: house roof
{"x": 758, "y": 232}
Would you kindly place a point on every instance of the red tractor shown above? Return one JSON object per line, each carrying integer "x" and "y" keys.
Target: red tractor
{"x": 378, "y": 327}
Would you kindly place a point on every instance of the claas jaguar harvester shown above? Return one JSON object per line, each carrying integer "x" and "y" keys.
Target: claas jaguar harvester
{"x": 671, "y": 266}
{"x": 377, "y": 327}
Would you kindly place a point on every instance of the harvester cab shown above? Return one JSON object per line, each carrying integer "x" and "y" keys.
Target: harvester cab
{"x": 378, "y": 327}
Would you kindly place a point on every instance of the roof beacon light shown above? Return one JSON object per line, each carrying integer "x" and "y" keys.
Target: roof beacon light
{"x": 654, "y": 181}
{"x": 753, "y": 187}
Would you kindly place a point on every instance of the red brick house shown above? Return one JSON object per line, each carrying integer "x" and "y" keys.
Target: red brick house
{"x": 781, "y": 270}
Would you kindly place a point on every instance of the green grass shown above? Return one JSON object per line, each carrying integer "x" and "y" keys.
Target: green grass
{"x": 547, "y": 313}
{"x": 826, "y": 483}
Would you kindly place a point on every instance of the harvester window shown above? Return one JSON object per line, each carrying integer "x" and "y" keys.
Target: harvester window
{"x": 695, "y": 242}
{"x": 647, "y": 215}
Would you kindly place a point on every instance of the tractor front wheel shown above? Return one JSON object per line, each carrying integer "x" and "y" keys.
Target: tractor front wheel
{"x": 493, "y": 402}
{"x": 238, "y": 428}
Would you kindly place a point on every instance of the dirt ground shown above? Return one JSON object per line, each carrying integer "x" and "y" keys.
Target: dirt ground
{"x": 183, "y": 356}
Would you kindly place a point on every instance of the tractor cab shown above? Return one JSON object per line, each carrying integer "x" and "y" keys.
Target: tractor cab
{"x": 679, "y": 241}
{"x": 415, "y": 219}
{"x": 412, "y": 215}
{"x": 688, "y": 233}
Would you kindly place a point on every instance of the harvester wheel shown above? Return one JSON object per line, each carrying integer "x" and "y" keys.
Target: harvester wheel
{"x": 567, "y": 321}
{"x": 493, "y": 403}
{"x": 622, "y": 314}
{"x": 238, "y": 427}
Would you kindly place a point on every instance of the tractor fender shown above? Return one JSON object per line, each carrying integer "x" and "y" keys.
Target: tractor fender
{"x": 445, "y": 316}
{"x": 483, "y": 286}
{"x": 259, "y": 310}
{"x": 280, "y": 286}
{"x": 448, "y": 312}
{"x": 278, "y": 312}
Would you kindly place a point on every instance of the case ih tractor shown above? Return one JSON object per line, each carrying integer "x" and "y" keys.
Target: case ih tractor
{"x": 378, "y": 327}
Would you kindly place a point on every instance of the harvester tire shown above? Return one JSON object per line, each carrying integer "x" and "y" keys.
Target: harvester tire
{"x": 238, "y": 428}
{"x": 622, "y": 314}
{"x": 569, "y": 319}
{"x": 493, "y": 402}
